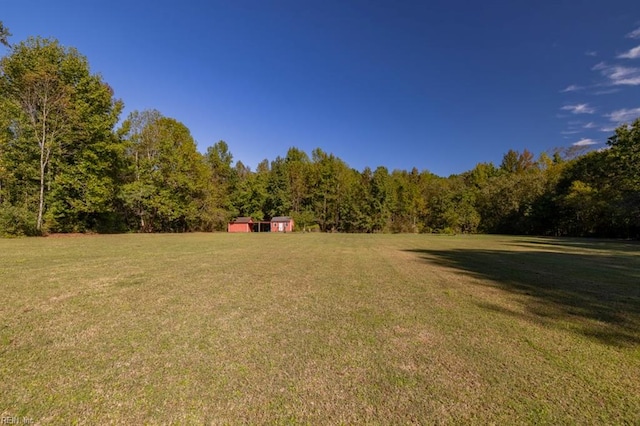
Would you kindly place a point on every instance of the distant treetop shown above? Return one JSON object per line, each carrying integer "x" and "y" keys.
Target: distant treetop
{"x": 4, "y": 35}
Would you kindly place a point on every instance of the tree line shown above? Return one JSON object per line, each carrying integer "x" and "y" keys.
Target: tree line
{"x": 66, "y": 166}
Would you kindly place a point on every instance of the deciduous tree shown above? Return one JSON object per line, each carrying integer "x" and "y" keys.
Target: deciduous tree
{"x": 4, "y": 35}
{"x": 61, "y": 118}
{"x": 168, "y": 183}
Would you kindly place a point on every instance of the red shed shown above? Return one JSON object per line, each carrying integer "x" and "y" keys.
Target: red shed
{"x": 240, "y": 224}
{"x": 281, "y": 224}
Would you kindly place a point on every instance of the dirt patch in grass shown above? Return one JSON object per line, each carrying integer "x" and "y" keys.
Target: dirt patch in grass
{"x": 70, "y": 235}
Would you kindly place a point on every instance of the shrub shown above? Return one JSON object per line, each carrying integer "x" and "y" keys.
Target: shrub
{"x": 16, "y": 221}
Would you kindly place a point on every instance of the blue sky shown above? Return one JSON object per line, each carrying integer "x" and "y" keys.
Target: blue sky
{"x": 437, "y": 85}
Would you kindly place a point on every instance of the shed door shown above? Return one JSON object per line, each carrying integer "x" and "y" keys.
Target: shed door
{"x": 280, "y": 226}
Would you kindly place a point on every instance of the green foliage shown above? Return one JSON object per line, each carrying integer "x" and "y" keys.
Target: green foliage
{"x": 63, "y": 168}
{"x": 250, "y": 195}
{"x": 278, "y": 202}
{"x": 598, "y": 194}
{"x": 4, "y": 35}
{"x": 167, "y": 184}
{"x": 58, "y": 148}
{"x": 515, "y": 162}
{"x": 303, "y": 220}
{"x": 329, "y": 180}
{"x": 625, "y": 150}
{"x": 222, "y": 179}
{"x": 16, "y": 221}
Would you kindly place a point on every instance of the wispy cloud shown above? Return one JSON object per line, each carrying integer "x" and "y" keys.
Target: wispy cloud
{"x": 631, "y": 54}
{"x": 579, "y": 109}
{"x": 619, "y": 75}
{"x": 606, "y": 91}
{"x": 634, "y": 34}
{"x": 624, "y": 115}
{"x": 614, "y": 78}
{"x": 585, "y": 142}
{"x": 572, "y": 88}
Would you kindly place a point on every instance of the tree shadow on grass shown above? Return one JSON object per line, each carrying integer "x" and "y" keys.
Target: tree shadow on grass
{"x": 612, "y": 246}
{"x": 597, "y": 294}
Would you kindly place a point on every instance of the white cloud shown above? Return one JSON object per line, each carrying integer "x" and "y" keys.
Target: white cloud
{"x": 624, "y": 115}
{"x": 585, "y": 142}
{"x": 579, "y": 109}
{"x": 589, "y": 125}
{"x": 591, "y": 53}
{"x": 572, "y": 88}
{"x": 608, "y": 129}
{"x": 606, "y": 91}
{"x": 634, "y": 34}
{"x": 569, "y": 132}
{"x": 631, "y": 54}
{"x": 619, "y": 75}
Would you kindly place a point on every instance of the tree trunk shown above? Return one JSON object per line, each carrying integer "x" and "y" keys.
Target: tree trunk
{"x": 41, "y": 204}
{"x": 43, "y": 167}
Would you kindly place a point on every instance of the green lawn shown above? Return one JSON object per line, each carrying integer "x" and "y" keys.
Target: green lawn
{"x": 320, "y": 329}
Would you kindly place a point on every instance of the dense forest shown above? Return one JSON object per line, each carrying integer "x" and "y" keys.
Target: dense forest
{"x": 67, "y": 164}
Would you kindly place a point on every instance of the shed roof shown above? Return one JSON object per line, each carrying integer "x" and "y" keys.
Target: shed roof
{"x": 242, "y": 220}
{"x": 280, "y": 219}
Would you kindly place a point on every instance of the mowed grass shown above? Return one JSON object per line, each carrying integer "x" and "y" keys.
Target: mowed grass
{"x": 319, "y": 329}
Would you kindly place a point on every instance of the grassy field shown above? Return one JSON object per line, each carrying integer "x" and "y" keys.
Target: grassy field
{"x": 320, "y": 329}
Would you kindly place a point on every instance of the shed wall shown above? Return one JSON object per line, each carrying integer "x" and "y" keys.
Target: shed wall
{"x": 239, "y": 227}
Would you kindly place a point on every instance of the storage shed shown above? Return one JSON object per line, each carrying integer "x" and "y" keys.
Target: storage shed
{"x": 282, "y": 224}
{"x": 240, "y": 224}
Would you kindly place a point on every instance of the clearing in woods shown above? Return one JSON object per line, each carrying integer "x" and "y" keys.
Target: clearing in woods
{"x": 319, "y": 328}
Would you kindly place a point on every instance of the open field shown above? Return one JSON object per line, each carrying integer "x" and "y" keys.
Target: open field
{"x": 319, "y": 328}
